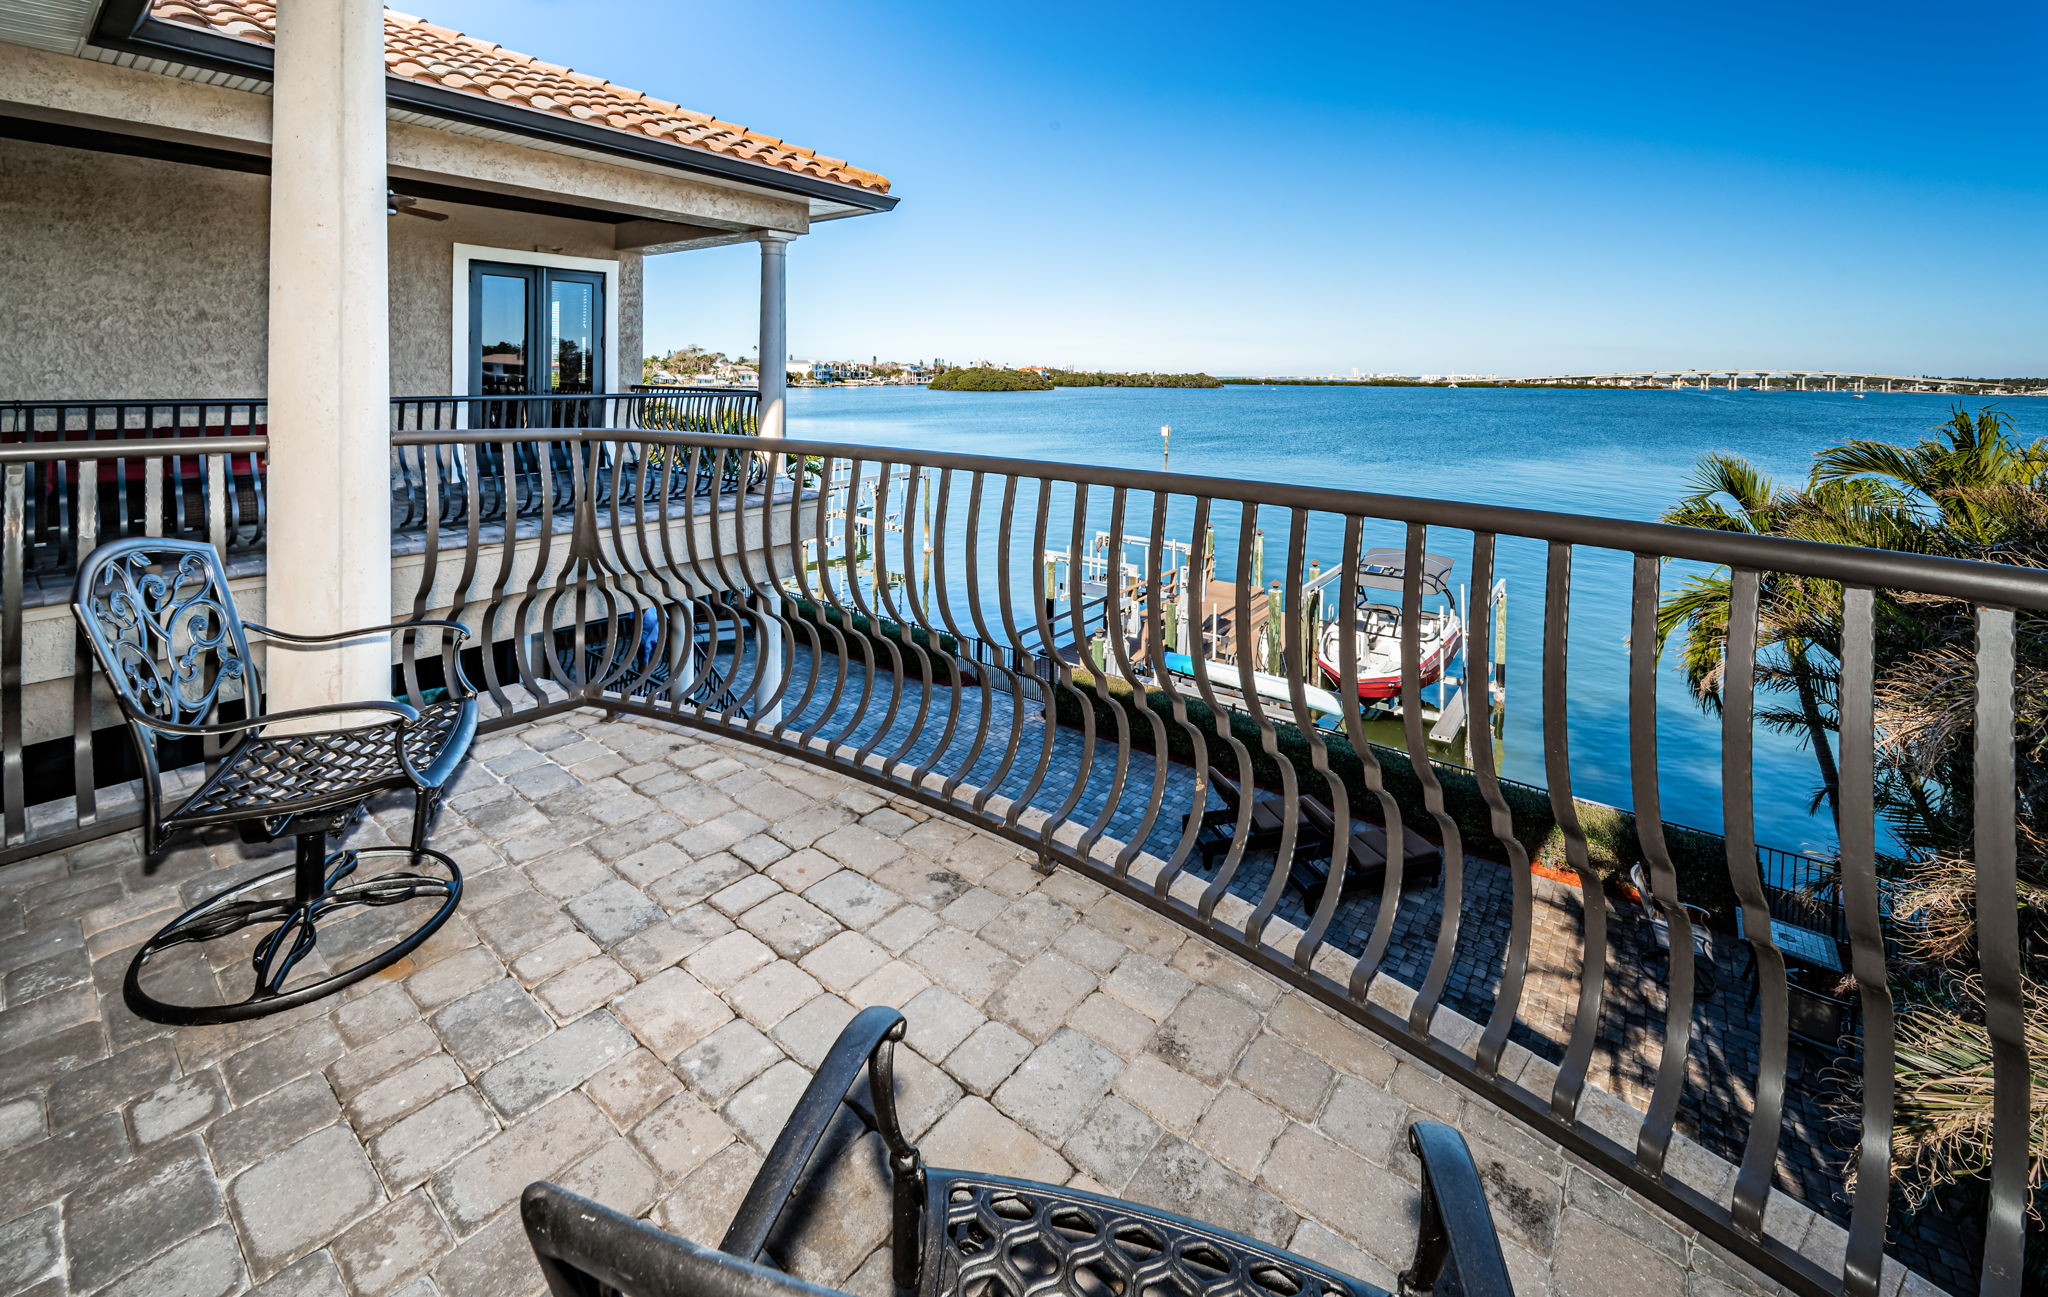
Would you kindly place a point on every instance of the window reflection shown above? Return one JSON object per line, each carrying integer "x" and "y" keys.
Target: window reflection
{"x": 572, "y": 329}
{"x": 501, "y": 361}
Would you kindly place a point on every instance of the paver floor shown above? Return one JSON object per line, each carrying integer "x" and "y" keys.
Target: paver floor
{"x": 661, "y": 935}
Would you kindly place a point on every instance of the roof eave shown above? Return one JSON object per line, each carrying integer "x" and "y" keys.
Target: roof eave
{"x": 126, "y": 25}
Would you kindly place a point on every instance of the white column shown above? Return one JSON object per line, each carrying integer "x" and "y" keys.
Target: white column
{"x": 329, "y": 469}
{"x": 774, "y": 330}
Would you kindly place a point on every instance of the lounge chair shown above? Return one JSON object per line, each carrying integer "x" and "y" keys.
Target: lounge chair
{"x": 1421, "y": 860}
{"x": 1706, "y": 978}
{"x": 1268, "y": 823}
{"x": 981, "y": 1233}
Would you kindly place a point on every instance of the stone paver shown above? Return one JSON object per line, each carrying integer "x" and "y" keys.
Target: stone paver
{"x": 297, "y": 1200}
{"x": 664, "y": 933}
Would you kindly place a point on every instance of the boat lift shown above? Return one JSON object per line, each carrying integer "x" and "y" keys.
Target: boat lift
{"x": 1446, "y": 704}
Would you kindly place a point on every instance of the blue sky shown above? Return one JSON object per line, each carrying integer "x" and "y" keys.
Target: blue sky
{"x": 1479, "y": 187}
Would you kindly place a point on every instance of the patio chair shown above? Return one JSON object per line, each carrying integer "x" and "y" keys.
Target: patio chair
{"x": 984, "y": 1234}
{"x": 1268, "y": 823}
{"x": 162, "y": 622}
{"x": 1421, "y": 860}
{"x": 1705, "y": 976}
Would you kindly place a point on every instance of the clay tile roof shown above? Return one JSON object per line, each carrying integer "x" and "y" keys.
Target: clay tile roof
{"x": 420, "y": 51}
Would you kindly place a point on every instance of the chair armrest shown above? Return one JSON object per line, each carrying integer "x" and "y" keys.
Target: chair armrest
{"x": 460, "y": 631}
{"x": 585, "y": 1248}
{"x": 405, "y": 713}
{"x": 459, "y": 685}
{"x": 1457, "y": 1226}
{"x": 867, "y": 1042}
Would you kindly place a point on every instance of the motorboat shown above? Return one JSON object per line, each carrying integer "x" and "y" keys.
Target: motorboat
{"x": 1376, "y": 626}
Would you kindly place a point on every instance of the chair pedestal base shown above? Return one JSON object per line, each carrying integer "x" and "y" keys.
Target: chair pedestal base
{"x": 324, "y": 888}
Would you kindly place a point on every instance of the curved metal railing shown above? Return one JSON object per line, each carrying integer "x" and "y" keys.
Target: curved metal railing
{"x": 950, "y": 628}
{"x": 848, "y": 590}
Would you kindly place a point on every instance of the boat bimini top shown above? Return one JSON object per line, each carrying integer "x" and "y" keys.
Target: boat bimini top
{"x": 1387, "y": 569}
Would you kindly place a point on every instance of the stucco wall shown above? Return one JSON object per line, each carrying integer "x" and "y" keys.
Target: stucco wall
{"x": 123, "y": 277}
{"x": 422, "y": 273}
{"x": 127, "y": 278}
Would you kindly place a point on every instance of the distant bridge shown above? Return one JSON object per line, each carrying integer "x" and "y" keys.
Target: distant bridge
{"x": 1783, "y": 380}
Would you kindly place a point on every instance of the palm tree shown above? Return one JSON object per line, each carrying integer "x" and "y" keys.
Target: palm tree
{"x": 1799, "y": 618}
{"x": 1973, "y": 491}
{"x": 1961, "y": 482}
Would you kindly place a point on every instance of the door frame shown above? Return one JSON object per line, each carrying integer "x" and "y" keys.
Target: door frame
{"x": 458, "y": 347}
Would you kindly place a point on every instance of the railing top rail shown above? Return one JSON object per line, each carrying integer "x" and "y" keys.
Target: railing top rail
{"x": 1996, "y": 584}
{"x": 636, "y": 390}
{"x": 133, "y": 402}
{"x": 709, "y": 389}
{"x": 40, "y": 452}
{"x": 129, "y": 403}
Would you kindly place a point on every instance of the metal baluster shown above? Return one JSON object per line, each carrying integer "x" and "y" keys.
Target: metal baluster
{"x": 877, "y": 548}
{"x": 936, "y": 540}
{"x": 1478, "y": 686}
{"x": 726, "y": 504}
{"x": 1113, "y": 646}
{"x": 1241, "y": 637}
{"x": 825, "y": 603}
{"x": 702, "y": 508}
{"x": 13, "y": 540}
{"x": 540, "y": 665}
{"x": 1654, "y": 1142}
{"x": 430, "y": 563}
{"x": 1287, "y": 856}
{"x": 881, "y": 615}
{"x": 1864, "y": 1258}
{"x": 1996, "y": 836}
{"x": 1423, "y": 1010}
{"x": 86, "y": 805}
{"x": 1041, "y": 690}
{"x": 1063, "y": 673}
{"x": 1367, "y": 966}
{"x": 910, "y": 618}
{"x": 641, "y": 567}
{"x": 1557, "y": 769}
{"x": 1154, "y": 800}
{"x": 1738, "y": 816}
{"x": 1155, "y": 636}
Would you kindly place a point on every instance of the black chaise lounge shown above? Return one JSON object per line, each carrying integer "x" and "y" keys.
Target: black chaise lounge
{"x": 162, "y": 622}
{"x": 1421, "y": 860}
{"x": 983, "y": 1234}
{"x": 1266, "y": 827}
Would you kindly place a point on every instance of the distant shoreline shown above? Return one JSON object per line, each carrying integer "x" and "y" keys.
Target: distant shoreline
{"x": 1584, "y": 387}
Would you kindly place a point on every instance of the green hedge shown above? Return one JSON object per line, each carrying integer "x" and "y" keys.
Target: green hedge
{"x": 942, "y": 648}
{"x": 1610, "y": 832}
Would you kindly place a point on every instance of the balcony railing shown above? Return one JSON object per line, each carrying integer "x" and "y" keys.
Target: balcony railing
{"x": 900, "y": 616}
{"x": 185, "y": 491}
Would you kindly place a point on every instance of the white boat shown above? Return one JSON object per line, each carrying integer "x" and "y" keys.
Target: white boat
{"x": 1376, "y": 626}
{"x": 1278, "y": 689}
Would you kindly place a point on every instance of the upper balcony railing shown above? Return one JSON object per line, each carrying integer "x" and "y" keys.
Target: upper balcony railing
{"x": 931, "y": 623}
{"x": 184, "y": 486}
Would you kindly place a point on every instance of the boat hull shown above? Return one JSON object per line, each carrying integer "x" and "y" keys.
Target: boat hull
{"x": 1380, "y": 684}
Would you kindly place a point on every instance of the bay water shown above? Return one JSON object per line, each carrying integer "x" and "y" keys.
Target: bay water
{"x": 1617, "y": 454}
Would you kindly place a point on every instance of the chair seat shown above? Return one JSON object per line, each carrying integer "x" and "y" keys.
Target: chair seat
{"x": 277, "y": 775}
{"x": 1009, "y": 1238}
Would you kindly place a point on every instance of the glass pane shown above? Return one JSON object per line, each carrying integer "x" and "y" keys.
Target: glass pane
{"x": 572, "y": 336}
{"x": 501, "y": 335}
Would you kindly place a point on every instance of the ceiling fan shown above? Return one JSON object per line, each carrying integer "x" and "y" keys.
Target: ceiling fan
{"x": 395, "y": 203}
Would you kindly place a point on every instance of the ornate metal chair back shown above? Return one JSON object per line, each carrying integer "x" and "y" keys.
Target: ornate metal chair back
{"x": 162, "y": 622}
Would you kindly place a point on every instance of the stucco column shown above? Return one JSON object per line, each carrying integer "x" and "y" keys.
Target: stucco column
{"x": 774, "y": 330}
{"x": 329, "y": 470}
